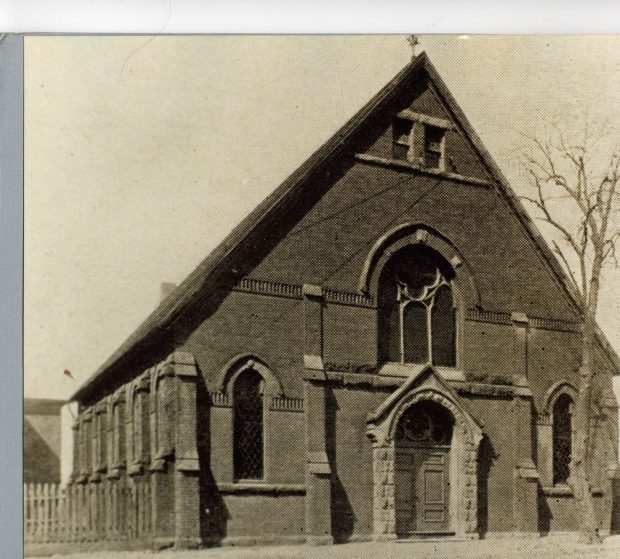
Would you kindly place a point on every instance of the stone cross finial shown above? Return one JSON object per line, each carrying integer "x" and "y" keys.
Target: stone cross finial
{"x": 413, "y": 42}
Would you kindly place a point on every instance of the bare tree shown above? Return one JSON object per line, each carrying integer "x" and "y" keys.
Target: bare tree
{"x": 575, "y": 194}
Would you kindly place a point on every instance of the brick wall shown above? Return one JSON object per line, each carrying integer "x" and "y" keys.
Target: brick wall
{"x": 331, "y": 242}
{"x": 348, "y": 209}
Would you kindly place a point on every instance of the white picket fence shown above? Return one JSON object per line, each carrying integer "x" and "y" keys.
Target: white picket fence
{"x": 90, "y": 512}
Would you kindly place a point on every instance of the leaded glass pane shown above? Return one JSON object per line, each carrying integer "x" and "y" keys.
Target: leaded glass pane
{"x": 248, "y": 428}
{"x": 562, "y": 438}
{"x": 117, "y": 429}
{"x": 443, "y": 328}
{"x": 389, "y": 324}
{"x": 137, "y": 427}
{"x": 425, "y": 423}
{"x": 415, "y": 294}
{"x": 415, "y": 269}
{"x": 87, "y": 445}
{"x": 415, "y": 333}
{"x": 102, "y": 440}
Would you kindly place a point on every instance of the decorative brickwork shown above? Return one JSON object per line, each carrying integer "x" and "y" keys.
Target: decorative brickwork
{"x": 220, "y": 400}
{"x": 283, "y": 403}
{"x": 504, "y": 317}
{"x": 266, "y": 287}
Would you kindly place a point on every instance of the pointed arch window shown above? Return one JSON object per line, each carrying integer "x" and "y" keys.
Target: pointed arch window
{"x": 248, "y": 452}
{"x": 562, "y": 428}
{"x": 417, "y": 318}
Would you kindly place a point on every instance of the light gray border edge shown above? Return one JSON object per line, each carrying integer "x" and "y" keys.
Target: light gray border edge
{"x": 11, "y": 293}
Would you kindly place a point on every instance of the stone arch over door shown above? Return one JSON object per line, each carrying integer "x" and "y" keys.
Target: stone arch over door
{"x": 463, "y": 465}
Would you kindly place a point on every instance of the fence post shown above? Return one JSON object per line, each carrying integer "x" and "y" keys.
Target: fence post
{"x": 62, "y": 520}
{"x": 46, "y": 512}
{"x": 80, "y": 513}
{"x": 39, "y": 507}
{"x": 71, "y": 491}
{"x": 51, "y": 496}
{"x": 26, "y": 513}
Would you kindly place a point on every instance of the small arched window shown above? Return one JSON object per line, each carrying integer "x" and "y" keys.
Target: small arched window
{"x": 562, "y": 438}
{"x": 417, "y": 318}
{"x": 248, "y": 453}
{"x": 118, "y": 433}
{"x": 136, "y": 425}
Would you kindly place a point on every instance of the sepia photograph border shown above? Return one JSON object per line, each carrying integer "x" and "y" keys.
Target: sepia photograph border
{"x": 575, "y": 17}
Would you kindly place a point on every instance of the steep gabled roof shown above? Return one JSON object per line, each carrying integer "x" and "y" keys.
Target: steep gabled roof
{"x": 200, "y": 281}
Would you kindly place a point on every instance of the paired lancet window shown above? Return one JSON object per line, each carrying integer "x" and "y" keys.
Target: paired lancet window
{"x": 562, "y": 428}
{"x": 417, "y": 319}
{"x": 418, "y": 142}
{"x": 248, "y": 452}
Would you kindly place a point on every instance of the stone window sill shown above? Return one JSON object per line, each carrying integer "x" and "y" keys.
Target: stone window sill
{"x": 409, "y": 166}
{"x": 260, "y": 488}
{"x": 558, "y": 491}
{"x": 567, "y": 491}
{"x": 135, "y": 469}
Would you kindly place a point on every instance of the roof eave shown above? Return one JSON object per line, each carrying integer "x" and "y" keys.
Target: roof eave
{"x": 554, "y": 265}
{"x": 199, "y": 279}
{"x": 185, "y": 292}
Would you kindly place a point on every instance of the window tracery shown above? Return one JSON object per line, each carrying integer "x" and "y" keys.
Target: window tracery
{"x": 425, "y": 423}
{"x": 417, "y": 315}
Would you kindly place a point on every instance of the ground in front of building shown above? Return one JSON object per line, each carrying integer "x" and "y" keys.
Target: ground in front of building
{"x": 555, "y": 547}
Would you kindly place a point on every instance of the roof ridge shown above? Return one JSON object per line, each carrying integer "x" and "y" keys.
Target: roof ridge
{"x": 516, "y": 205}
{"x": 188, "y": 288}
{"x": 193, "y": 284}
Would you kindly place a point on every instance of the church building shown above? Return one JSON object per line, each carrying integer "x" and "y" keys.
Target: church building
{"x": 384, "y": 348}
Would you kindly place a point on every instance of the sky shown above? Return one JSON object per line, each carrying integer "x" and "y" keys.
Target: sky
{"x": 142, "y": 153}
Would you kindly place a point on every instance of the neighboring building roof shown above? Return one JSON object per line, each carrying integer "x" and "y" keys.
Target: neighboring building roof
{"x": 42, "y": 406}
{"x": 203, "y": 279}
{"x": 42, "y": 440}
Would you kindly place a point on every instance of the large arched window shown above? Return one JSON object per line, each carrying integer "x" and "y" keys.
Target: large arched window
{"x": 417, "y": 319}
{"x": 562, "y": 438}
{"x": 248, "y": 454}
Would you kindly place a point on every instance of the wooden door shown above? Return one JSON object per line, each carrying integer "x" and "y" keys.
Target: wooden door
{"x": 422, "y": 490}
{"x": 432, "y": 489}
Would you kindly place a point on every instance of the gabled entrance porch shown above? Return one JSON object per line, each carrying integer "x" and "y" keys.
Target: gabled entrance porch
{"x": 425, "y": 445}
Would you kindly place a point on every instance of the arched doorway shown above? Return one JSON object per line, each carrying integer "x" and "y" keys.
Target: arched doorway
{"x": 423, "y": 441}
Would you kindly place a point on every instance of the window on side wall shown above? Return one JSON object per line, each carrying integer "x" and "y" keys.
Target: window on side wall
{"x": 248, "y": 448}
{"x": 562, "y": 438}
